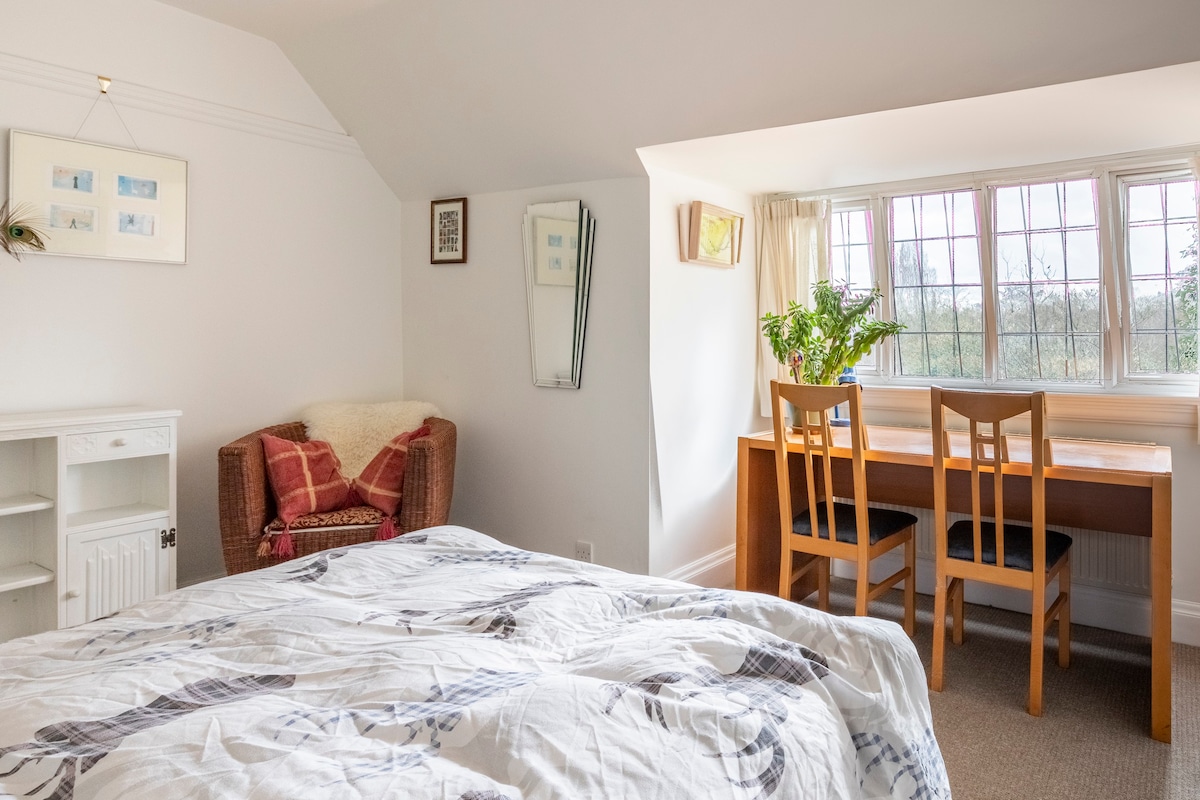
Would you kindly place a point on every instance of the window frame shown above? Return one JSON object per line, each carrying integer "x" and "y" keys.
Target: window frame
{"x": 1111, "y": 176}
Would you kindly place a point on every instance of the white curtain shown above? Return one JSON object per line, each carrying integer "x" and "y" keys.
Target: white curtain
{"x": 1194, "y": 161}
{"x": 793, "y": 253}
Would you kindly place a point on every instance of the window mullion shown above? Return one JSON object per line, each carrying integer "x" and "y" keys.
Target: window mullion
{"x": 881, "y": 261}
{"x": 991, "y": 312}
{"x": 1114, "y": 280}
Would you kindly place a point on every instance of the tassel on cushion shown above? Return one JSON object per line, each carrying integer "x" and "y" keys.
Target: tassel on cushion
{"x": 387, "y": 530}
{"x": 283, "y": 546}
{"x": 264, "y": 546}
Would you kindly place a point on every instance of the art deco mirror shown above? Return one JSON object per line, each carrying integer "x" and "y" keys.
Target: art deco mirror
{"x": 558, "y": 259}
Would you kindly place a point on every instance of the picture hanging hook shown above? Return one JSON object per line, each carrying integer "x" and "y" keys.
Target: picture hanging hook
{"x": 104, "y": 83}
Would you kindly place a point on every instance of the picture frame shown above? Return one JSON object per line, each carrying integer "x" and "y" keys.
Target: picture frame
{"x": 448, "y": 231}
{"x": 101, "y": 201}
{"x": 709, "y": 234}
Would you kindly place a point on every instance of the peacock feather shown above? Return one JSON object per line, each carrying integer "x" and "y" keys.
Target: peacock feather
{"x": 21, "y": 229}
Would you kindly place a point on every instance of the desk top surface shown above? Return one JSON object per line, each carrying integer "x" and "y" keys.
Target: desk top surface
{"x": 1069, "y": 458}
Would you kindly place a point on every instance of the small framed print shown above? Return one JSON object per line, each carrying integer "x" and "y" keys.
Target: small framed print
{"x": 710, "y": 234}
{"x": 448, "y": 231}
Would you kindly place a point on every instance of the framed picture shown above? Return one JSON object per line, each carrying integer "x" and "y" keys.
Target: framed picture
{"x": 101, "y": 201}
{"x": 448, "y": 231}
{"x": 556, "y": 251}
{"x": 713, "y": 235}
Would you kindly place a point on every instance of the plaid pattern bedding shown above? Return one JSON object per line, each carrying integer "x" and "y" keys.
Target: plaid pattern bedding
{"x": 443, "y": 664}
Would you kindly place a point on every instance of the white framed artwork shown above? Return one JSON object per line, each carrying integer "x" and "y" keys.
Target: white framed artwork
{"x": 101, "y": 201}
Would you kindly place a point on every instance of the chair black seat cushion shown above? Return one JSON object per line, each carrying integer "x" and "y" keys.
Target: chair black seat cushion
{"x": 1018, "y": 544}
{"x": 883, "y": 522}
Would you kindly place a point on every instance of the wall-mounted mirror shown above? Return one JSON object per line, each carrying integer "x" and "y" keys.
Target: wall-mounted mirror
{"x": 558, "y": 261}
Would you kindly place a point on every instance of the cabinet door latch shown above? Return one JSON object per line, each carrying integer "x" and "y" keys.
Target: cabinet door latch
{"x": 166, "y": 539}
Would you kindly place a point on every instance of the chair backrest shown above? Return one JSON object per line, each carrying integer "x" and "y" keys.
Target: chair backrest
{"x": 989, "y": 453}
{"x": 815, "y": 436}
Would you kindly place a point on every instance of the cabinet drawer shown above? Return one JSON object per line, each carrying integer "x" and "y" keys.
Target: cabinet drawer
{"x": 104, "y": 445}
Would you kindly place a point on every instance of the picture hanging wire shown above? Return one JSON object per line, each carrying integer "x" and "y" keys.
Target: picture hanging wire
{"x": 104, "y": 84}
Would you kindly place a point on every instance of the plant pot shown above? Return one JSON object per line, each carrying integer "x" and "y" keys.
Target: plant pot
{"x": 841, "y": 412}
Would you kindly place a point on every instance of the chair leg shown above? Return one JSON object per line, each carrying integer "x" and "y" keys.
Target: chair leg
{"x": 862, "y": 587}
{"x": 1037, "y": 651}
{"x": 785, "y": 573}
{"x": 823, "y": 583}
{"x": 939, "y": 632}
{"x": 1064, "y": 616}
{"x": 958, "y": 589}
{"x": 910, "y": 585}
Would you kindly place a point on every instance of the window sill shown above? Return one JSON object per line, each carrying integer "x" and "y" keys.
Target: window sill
{"x": 1126, "y": 406}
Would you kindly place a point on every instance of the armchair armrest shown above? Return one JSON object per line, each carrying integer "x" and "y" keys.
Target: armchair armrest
{"x": 244, "y": 495}
{"x": 429, "y": 478}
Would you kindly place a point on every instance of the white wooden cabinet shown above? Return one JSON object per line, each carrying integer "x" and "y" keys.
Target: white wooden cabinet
{"x": 87, "y": 514}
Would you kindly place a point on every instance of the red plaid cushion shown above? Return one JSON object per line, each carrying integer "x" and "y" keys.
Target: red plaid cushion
{"x": 382, "y": 480}
{"x": 305, "y": 477}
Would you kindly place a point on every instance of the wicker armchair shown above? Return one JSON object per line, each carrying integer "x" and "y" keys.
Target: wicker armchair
{"x": 247, "y": 504}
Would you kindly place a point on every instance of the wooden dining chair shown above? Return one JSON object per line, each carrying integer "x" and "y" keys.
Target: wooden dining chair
{"x": 829, "y": 529}
{"x": 997, "y": 552}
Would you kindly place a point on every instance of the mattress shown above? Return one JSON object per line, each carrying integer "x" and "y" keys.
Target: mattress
{"x": 445, "y": 664}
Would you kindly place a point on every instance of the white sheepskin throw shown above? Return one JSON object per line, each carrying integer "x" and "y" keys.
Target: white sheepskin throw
{"x": 358, "y": 431}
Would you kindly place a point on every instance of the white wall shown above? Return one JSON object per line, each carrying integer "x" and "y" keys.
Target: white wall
{"x": 703, "y": 337}
{"x": 538, "y": 467}
{"x": 292, "y": 287}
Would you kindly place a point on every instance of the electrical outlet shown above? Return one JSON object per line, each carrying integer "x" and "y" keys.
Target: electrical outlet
{"x": 583, "y": 551}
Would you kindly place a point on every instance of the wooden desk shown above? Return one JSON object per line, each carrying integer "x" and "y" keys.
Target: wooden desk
{"x": 1105, "y": 486}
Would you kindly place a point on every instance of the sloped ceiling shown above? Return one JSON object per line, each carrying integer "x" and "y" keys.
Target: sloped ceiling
{"x": 450, "y": 97}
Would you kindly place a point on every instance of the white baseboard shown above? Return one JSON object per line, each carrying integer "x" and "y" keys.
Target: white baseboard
{"x": 717, "y": 570}
{"x": 1096, "y": 606}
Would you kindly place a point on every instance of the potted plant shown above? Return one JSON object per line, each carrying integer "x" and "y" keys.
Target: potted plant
{"x": 821, "y": 343}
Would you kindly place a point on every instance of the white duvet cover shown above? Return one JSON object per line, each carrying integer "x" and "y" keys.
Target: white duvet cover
{"x": 444, "y": 664}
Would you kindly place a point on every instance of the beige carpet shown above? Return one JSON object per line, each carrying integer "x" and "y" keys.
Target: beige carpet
{"x": 1092, "y": 741}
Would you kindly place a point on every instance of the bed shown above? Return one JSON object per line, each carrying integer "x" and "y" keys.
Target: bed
{"x": 445, "y": 664}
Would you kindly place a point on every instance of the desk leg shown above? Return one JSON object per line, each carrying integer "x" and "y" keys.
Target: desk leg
{"x": 1160, "y": 611}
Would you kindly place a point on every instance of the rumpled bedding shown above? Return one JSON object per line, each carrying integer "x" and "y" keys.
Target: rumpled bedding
{"x": 445, "y": 664}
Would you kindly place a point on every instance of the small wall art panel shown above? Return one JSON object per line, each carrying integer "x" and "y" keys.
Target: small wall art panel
{"x": 101, "y": 201}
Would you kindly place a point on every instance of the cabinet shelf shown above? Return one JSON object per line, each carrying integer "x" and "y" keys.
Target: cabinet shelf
{"x": 23, "y": 504}
{"x": 133, "y": 512}
{"x": 23, "y": 575}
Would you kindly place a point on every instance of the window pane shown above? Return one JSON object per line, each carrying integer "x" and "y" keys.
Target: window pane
{"x": 1018, "y": 358}
{"x": 935, "y": 262}
{"x": 1160, "y": 235}
{"x": 1147, "y": 250}
{"x": 1181, "y": 200}
{"x": 1050, "y": 308}
{"x": 1080, "y": 208}
{"x": 859, "y": 274}
{"x": 1148, "y": 352}
{"x": 1039, "y": 265}
{"x": 1045, "y": 206}
{"x": 1083, "y": 256}
{"x": 903, "y": 219}
{"x": 966, "y": 260}
{"x": 1046, "y": 257}
{"x": 1084, "y": 307}
{"x": 1144, "y": 203}
{"x": 964, "y": 214}
{"x": 1010, "y": 214}
{"x": 910, "y": 354}
{"x": 1016, "y": 309}
{"x": 1180, "y": 253}
{"x": 937, "y": 285}
{"x": 906, "y": 271}
{"x": 1012, "y": 259}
